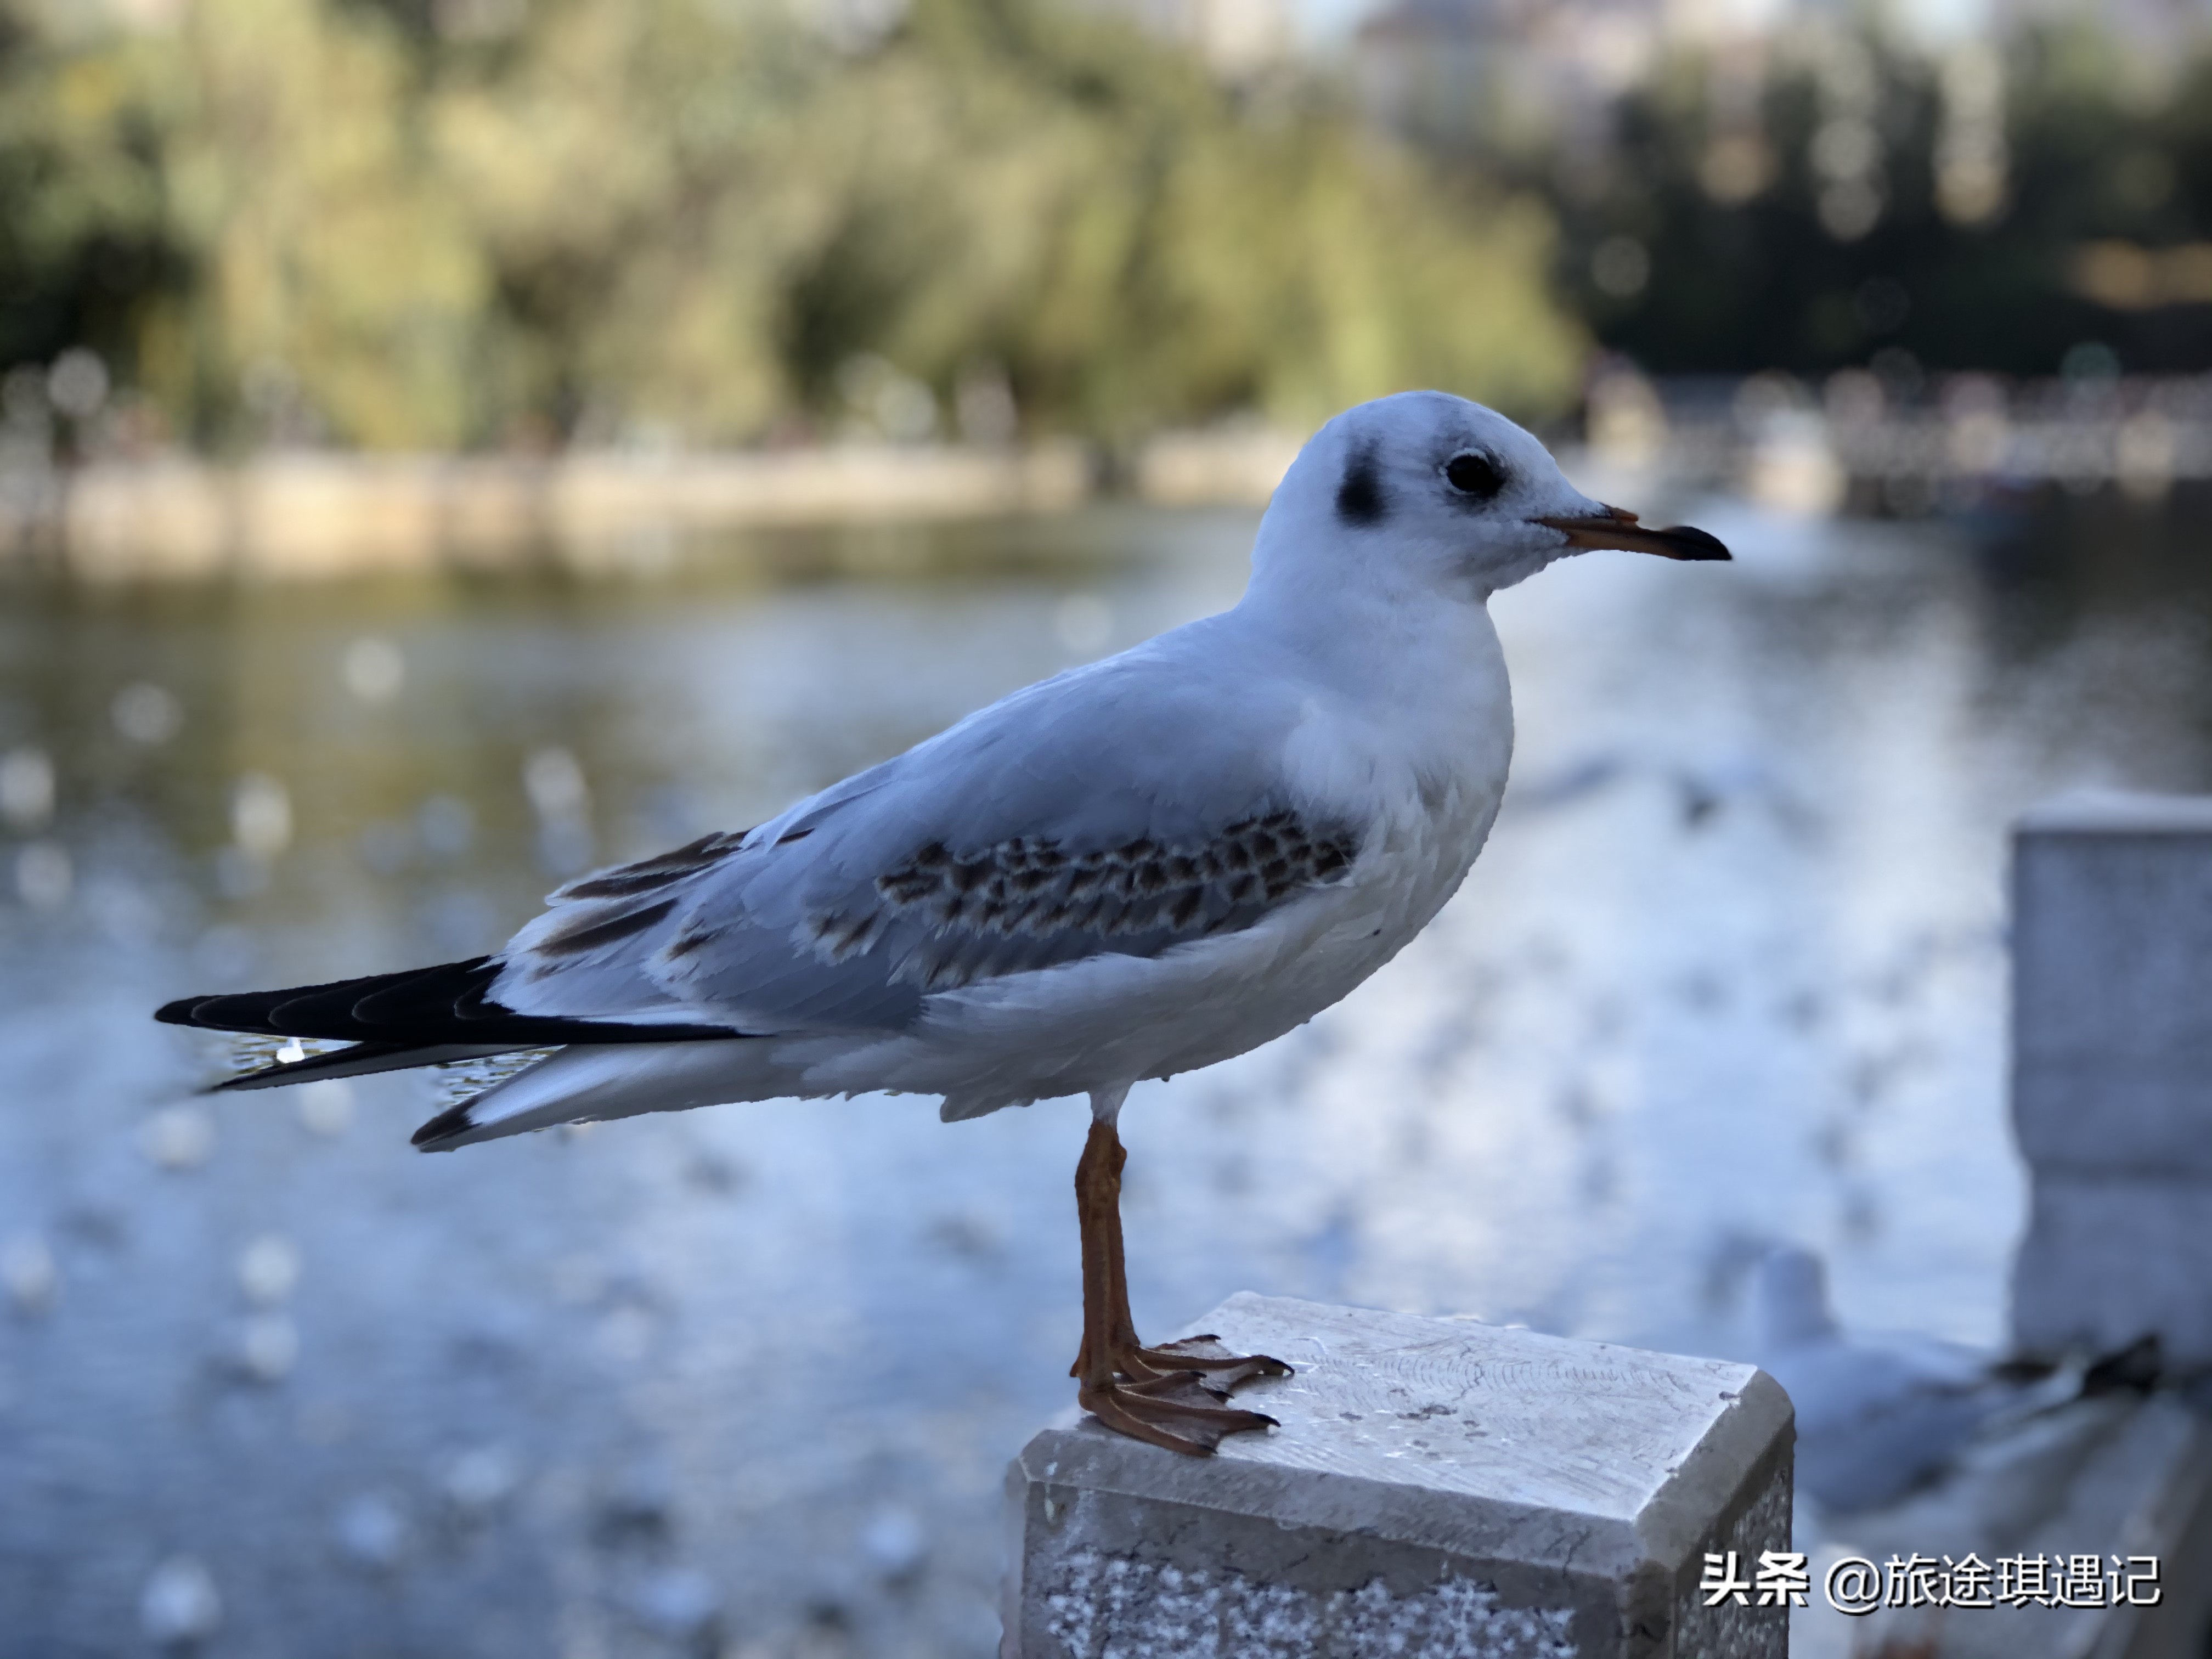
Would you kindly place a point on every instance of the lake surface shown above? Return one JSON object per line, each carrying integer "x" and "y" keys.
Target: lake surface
{"x": 743, "y": 1381}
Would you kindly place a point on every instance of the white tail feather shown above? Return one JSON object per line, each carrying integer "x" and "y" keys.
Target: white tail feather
{"x": 595, "y": 1082}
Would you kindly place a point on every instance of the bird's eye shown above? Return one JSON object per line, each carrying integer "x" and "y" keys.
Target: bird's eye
{"x": 1475, "y": 475}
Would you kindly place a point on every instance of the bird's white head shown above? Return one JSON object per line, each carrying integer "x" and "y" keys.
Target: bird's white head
{"x": 1426, "y": 491}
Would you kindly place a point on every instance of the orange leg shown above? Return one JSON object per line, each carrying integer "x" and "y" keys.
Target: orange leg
{"x": 1167, "y": 1395}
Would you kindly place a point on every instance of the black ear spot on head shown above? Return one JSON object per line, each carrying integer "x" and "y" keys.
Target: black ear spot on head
{"x": 1359, "y": 492}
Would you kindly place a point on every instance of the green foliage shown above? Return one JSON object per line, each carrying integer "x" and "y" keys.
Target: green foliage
{"x": 262, "y": 163}
{"x": 692, "y": 215}
{"x": 1049, "y": 191}
{"x": 2096, "y": 145}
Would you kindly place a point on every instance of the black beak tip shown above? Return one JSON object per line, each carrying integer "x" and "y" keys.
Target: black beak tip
{"x": 1686, "y": 542}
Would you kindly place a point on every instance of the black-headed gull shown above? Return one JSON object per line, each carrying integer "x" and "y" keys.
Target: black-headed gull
{"x": 1881, "y": 1412}
{"x": 1875, "y": 1416}
{"x": 1132, "y": 869}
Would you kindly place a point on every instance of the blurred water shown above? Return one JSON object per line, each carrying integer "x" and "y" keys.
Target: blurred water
{"x": 743, "y": 1381}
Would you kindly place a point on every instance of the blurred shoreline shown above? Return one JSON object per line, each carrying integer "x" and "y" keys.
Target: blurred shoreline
{"x": 312, "y": 514}
{"x": 1856, "y": 445}
{"x": 1906, "y": 445}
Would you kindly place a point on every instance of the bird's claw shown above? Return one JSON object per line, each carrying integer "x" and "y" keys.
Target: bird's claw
{"x": 1169, "y": 1396}
{"x": 1219, "y": 1371}
{"x": 1175, "y": 1412}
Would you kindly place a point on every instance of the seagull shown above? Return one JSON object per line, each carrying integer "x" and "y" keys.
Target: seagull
{"x": 1880, "y": 1414}
{"x": 1136, "y": 868}
{"x": 1876, "y": 1415}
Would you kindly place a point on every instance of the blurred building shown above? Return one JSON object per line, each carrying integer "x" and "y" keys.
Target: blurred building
{"x": 1515, "y": 75}
{"x": 1522, "y": 74}
{"x": 2152, "y": 25}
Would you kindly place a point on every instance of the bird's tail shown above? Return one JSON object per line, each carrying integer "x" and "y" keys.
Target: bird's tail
{"x": 420, "y": 1017}
{"x": 591, "y": 1083}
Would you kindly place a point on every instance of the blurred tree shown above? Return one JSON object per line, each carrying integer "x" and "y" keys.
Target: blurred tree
{"x": 1043, "y": 187}
{"x": 249, "y": 179}
{"x": 1845, "y": 197}
{"x": 425, "y": 223}
{"x": 628, "y": 170}
{"x": 84, "y": 250}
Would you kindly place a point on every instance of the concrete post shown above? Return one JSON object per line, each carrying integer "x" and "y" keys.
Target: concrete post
{"x": 1439, "y": 1487}
{"x": 2112, "y": 1085}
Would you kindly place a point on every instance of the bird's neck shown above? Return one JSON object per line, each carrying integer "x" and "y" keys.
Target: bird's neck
{"x": 1420, "y": 652}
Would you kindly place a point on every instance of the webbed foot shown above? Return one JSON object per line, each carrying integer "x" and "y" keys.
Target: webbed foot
{"x": 1175, "y": 1412}
{"x": 1170, "y": 1396}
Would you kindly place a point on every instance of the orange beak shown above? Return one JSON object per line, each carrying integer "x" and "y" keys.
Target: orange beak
{"x": 1619, "y": 529}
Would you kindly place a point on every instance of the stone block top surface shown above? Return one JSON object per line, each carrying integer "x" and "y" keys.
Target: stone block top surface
{"x": 1470, "y": 1437}
{"x": 2118, "y": 812}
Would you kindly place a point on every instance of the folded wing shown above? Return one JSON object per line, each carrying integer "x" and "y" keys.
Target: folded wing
{"x": 1120, "y": 810}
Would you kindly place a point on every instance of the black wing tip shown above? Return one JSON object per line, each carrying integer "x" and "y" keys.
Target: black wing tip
{"x": 268, "y": 1076}
{"x": 418, "y": 1007}
{"x": 2139, "y": 1367}
{"x": 312, "y": 1067}
{"x": 433, "y": 1136}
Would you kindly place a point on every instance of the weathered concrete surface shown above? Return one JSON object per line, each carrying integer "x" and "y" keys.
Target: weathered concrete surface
{"x": 1437, "y": 1487}
{"x": 2111, "y": 1087}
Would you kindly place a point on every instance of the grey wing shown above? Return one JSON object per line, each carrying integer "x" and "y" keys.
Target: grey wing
{"x": 1120, "y": 810}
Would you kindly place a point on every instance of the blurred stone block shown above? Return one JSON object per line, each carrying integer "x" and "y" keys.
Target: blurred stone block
{"x": 1437, "y": 1487}
{"x": 2109, "y": 1258}
{"x": 2111, "y": 923}
{"x": 2112, "y": 1084}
